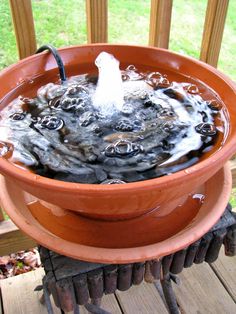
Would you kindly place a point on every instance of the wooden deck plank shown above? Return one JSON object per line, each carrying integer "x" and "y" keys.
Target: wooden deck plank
{"x": 12, "y": 239}
{"x": 202, "y": 292}
{"x": 109, "y": 303}
{"x": 141, "y": 299}
{"x": 18, "y": 294}
{"x": 225, "y": 268}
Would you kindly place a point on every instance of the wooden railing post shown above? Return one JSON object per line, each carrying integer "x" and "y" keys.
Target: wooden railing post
{"x": 213, "y": 31}
{"x": 23, "y": 21}
{"x": 160, "y": 21}
{"x": 96, "y": 21}
{"x": 1, "y": 215}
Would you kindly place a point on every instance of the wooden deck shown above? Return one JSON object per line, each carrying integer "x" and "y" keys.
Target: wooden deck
{"x": 204, "y": 289}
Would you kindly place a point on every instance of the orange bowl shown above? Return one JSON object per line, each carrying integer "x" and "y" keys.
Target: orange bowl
{"x": 131, "y": 199}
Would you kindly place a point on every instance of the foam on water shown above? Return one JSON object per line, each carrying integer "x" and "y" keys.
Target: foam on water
{"x": 109, "y": 94}
{"x": 192, "y": 140}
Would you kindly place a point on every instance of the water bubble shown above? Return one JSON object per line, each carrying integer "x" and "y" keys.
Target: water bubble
{"x": 51, "y": 123}
{"x": 123, "y": 148}
{"x": 72, "y": 90}
{"x": 192, "y": 89}
{"x": 67, "y": 104}
{"x": 127, "y": 109}
{"x": 55, "y": 103}
{"x": 165, "y": 112}
{"x": 113, "y": 181}
{"x": 124, "y": 125}
{"x": 155, "y": 75}
{"x": 153, "y": 79}
{"x": 17, "y": 116}
{"x": 125, "y": 77}
{"x": 131, "y": 67}
{"x": 77, "y": 89}
{"x": 164, "y": 83}
{"x": 206, "y": 129}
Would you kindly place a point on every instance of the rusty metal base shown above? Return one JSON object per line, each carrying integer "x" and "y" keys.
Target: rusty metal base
{"x": 73, "y": 282}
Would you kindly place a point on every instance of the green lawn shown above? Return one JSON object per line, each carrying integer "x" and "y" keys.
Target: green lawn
{"x": 63, "y": 23}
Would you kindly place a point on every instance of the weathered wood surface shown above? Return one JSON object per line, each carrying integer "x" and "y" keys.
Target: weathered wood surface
{"x": 23, "y": 21}
{"x": 12, "y": 239}
{"x": 233, "y": 171}
{"x": 1, "y": 215}
{"x": 202, "y": 292}
{"x": 141, "y": 299}
{"x": 213, "y": 31}
{"x": 160, "y": 21}
{"x": 19, "y": 297}
{"x": 225, "y": 268}
{"x": 97, "y": 21}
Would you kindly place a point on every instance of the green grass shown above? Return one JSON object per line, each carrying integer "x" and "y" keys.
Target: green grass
{"x": 63, "y": 23}
{"x": 233, "y": 198}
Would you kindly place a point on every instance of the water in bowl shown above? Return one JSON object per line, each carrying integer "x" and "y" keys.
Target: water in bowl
{"x": 118, "y": 127}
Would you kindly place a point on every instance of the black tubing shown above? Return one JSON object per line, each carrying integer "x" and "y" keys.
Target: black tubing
{"x": 58, "y": 59}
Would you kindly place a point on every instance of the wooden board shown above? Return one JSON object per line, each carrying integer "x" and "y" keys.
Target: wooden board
{"x": 109, "y": 304}
{"x": 19, "y": 297}
{"x": 97, "y": 17}
{"x": 233, "y": 171}
{"x": 201, "y": 292}
{"x": 23, "y": 21}
{"x": 12, "y": 239}
{"x": 142, "y": 299}
{"x": 1, "y": 304}
{"x": 213, "y": 31}
{"x": 225, "y": 269}
{"x": 160, "y": 21}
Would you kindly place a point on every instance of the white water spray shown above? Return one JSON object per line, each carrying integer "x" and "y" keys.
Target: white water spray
{"x": 109, "y": 94}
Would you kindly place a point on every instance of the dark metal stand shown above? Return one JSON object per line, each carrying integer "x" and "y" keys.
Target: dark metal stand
{"x": 73, "y": 282}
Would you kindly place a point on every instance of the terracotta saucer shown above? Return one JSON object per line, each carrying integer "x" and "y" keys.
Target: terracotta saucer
{"x": 146, "y": 237}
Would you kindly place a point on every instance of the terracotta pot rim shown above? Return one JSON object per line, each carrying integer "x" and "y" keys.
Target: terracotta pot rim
{"x": 188, "y": 235}
{"x": 228, "y": 149}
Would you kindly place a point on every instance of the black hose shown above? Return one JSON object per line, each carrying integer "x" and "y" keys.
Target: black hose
{"x": 58, "y": 59}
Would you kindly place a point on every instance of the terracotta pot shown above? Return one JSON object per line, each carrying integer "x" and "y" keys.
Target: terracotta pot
{"x": 146, "y": 237}
{"x": 125, "y": 200}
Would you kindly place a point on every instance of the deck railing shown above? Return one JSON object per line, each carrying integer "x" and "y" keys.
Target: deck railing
{"x": 11, "y": 238}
